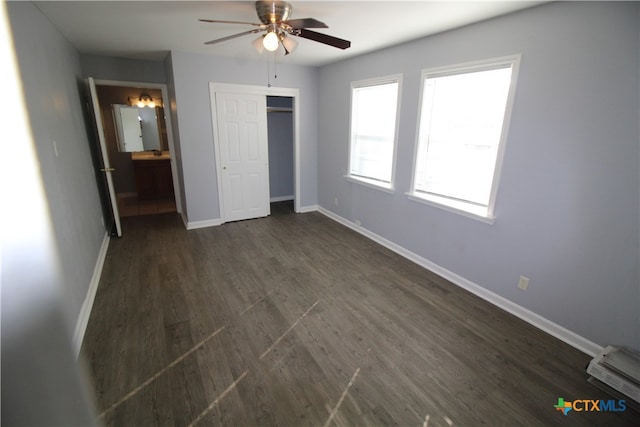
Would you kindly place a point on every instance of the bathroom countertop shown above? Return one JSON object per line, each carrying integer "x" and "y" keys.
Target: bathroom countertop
{"x": 149, "y": 155}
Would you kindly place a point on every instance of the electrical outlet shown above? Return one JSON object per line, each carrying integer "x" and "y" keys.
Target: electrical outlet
{"x": 358, "y": 223}
{"x": 335, "y": 201}
{"x": 523, "y": 283}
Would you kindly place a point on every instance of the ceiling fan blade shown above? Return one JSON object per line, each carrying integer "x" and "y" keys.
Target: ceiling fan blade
{"x": 305, "y": 23}
{"x": 224, "y": 39}
{"x": 322, "y": 38}
{"x": 216, "y": 21}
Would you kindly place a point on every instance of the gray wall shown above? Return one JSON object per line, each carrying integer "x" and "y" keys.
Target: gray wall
{"x": 191, "y": 76}
{"x": 52, "y": 81}
{"x": 568, "y": 203}
{"x": 46, "y": 275}
{"x": 123, "y": 69}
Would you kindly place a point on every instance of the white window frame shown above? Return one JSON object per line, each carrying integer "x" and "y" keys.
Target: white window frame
{"x": 451, "y": 205}
{"x": 374, "y": 183}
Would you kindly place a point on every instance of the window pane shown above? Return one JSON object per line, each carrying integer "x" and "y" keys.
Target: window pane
{"x": 460, "y": 129}
{"x": 373, "y": 129}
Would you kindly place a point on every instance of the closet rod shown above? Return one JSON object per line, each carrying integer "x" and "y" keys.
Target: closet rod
{"x": 279, "y": 110}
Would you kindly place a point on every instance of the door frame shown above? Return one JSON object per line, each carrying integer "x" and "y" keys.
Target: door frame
{"x": 215, "y": 87}
{"x": 165, "y": 102}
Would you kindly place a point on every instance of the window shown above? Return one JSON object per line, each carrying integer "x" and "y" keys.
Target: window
{"x": 374, "y": 110}
{"x": 463, "y": 121}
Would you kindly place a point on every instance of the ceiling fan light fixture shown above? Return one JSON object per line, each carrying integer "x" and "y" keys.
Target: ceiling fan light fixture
{"x": 276, "y": 25}
{"x": 258, "y": 45}
{"x": 271, "y": 41}
{"x": 289, "y": 44}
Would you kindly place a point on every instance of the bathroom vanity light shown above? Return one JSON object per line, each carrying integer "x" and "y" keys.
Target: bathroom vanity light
{"x": 145, "y": 100}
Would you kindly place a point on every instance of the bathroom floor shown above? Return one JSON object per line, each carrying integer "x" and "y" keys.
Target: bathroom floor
{"x": 129, "y": 205}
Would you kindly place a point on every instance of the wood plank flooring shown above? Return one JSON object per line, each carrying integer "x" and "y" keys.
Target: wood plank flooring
{"x": 295, "y": 320}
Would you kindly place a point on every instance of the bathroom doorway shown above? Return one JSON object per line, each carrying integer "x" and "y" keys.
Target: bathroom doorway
{"x": 144, "y": 179}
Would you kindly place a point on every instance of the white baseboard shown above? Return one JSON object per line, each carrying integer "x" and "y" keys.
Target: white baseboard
{"x": 527, "y": 315}
{"x": 184, "y": 220}
{"x": 281, "y": 198}
{"x": 203, "y": 224}
{"x": 307, "y": 209}
{"x": 87, "y": 305}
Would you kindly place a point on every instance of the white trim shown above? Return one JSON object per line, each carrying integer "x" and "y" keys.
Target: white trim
{"x": 441, "y": 203}
{"x": 387, "y": 187}
{"x": 477, "y": 65}
{"x": 506, "y": 122}
{"x": 294, "y": 93}
{"x": 527, "y": 315}
{"x": 307, "y": 209}
{"x": 377, "y": 81}
{"x": 216, "y": 149}
{"x": 184, "y": 220}
{"x": 203, "y": 224}
{"x": 282, "y": 198}
{"x": 87, "y": 305}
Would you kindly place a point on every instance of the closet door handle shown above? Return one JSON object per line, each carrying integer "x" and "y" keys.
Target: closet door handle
{"x": 107, "y": 169}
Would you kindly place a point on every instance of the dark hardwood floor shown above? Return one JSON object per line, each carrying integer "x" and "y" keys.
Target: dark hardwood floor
{"x": 295, "y": 320}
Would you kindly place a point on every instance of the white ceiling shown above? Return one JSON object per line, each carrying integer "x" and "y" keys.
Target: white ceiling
{"x": 149, "y": 29}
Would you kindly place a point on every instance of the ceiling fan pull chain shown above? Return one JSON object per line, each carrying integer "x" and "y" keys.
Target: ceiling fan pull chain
{"x": 275, "y": 65}
{"x": 268, "y": 73}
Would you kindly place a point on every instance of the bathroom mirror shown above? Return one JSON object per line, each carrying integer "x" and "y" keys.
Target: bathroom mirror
{"x": 139, "y": 128}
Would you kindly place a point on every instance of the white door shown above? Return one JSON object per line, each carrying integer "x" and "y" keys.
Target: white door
{"x": 128, "y": 127}
{"x": 106, "y": 168}
{"x": 244, "y": 156}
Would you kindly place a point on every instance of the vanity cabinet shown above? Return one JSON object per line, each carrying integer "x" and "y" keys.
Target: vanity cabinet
{"x": 153, "y": 179}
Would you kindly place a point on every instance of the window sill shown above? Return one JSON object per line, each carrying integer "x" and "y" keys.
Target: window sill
{"x": 378, "y": 185}
{"x": 459, "y": 208}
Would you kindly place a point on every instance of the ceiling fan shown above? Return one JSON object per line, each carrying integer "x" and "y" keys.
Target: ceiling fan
{"x": 277, "y": 27}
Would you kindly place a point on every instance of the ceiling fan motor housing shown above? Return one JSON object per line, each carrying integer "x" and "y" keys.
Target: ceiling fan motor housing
{"x": 272, "y": 12}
